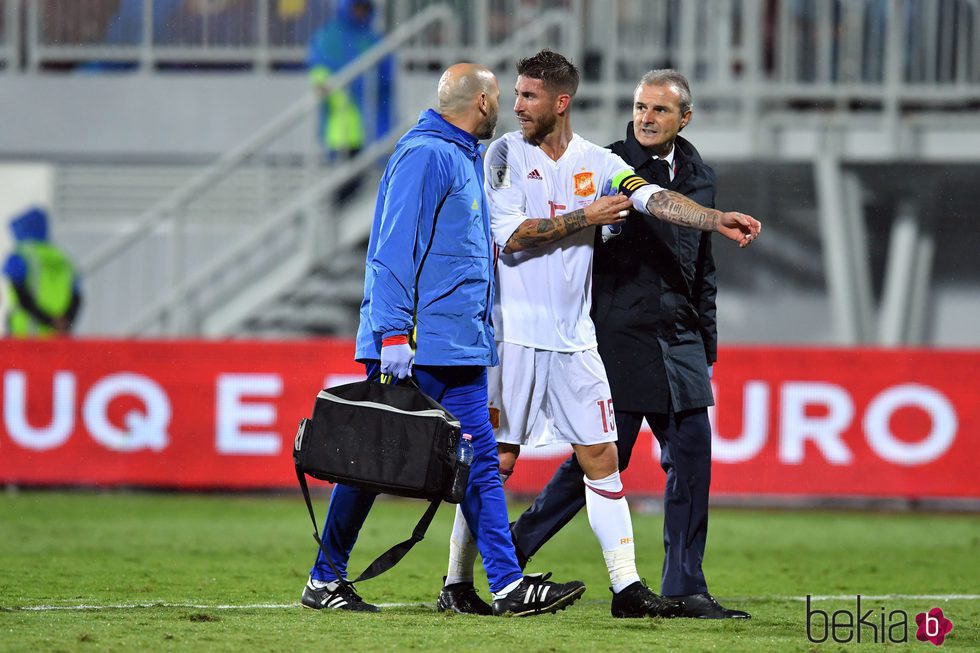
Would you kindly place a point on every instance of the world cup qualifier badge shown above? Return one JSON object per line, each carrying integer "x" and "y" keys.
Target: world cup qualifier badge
{"x": 500, "y": 176}
{"x": 584, "y": 184}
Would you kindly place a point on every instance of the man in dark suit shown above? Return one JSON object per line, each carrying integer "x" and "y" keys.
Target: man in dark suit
{"x": 654, "y": 311}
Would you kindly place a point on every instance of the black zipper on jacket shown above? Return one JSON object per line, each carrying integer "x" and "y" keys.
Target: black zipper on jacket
{"x": 492, "y": 258}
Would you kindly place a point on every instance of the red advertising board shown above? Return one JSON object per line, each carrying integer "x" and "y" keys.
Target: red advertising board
{"x": 191, "y": 414}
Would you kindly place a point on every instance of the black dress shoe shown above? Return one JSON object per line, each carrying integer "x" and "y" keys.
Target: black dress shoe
{"x": 704, "y": 606}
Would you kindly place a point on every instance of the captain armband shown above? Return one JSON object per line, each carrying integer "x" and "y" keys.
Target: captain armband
{"x": 628, "y": 182}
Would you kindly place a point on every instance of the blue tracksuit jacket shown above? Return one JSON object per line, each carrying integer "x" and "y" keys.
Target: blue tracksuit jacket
{"x": 430, "y": 255}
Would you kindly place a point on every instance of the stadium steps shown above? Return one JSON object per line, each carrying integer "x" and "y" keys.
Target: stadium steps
{"x": 88, "y": 194}
{"x": 325, "y": 302}
{"x": 327, "y": 299}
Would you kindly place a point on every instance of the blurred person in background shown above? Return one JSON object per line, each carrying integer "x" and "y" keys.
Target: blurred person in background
{"x": 293, "y": 22}
{"x": 345, "y": 125}
{"x": 70, "y": 22}
{"x": 428, "y": 291}
{"x": 126, "y": 26}
{"x": 654, "y": 310}
{"x": 211, "y": 23}
{"x": 185, "y": 22}
{"x": 44, "y": 291}
{"x": 203, "y": 23}
{"x": 73, "y": 23}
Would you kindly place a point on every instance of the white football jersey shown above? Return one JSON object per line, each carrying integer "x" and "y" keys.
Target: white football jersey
{"x": 544, "y": 294}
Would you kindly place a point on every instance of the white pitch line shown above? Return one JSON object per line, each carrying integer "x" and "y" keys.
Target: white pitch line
{"x": 196, "y": 606}
{"x": 891, "y": 597}
{"x": 284, "y": 606}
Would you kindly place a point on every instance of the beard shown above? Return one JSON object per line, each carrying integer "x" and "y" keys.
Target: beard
{"x": 488, "y": 127}
{"x": 534, "y": 132}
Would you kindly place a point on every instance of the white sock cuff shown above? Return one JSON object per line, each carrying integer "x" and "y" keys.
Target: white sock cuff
{"x": 611, "y": 484}
{"x": 507, "y": 589}
{"x": 320, "y": 584}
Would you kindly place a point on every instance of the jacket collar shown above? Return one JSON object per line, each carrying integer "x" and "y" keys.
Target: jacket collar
{"x": 686, "y": 156}
{"x": 684, "y": 151}
{"x": 431, "y": 122}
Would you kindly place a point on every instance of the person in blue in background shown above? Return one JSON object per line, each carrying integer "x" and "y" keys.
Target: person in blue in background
{"x": 202, "y": 24}
{"x": 428, "y": 293}
{"x": 126, "y": 27}
{"x": 293, "y": 22}
{"x": 361, "y": 112}
{"x": 45, "y": 293}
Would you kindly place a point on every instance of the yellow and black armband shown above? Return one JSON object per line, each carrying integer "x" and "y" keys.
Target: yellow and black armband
{"x": 628, "y": 182}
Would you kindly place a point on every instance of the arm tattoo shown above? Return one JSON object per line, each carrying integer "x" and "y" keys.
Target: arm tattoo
{"x": 680, "y": 210}
{"x": 535, "y": 232}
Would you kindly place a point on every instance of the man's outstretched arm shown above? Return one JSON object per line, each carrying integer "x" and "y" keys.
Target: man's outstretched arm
{"x": 681, "y": 210}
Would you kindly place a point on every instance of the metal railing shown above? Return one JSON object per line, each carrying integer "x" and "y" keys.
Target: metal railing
{"x": 9, "y": 35}
{"x": 781, "y": 43}
{"x": 147, "y": 34}
{"x": 486, "y": 25}
{"x": 873, "y": 57}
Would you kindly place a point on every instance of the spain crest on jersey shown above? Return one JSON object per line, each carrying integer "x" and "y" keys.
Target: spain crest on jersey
{"x": 584, "y": 184}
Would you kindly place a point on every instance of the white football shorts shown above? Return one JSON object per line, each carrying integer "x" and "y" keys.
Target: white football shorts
{"x": 540, "y": 397}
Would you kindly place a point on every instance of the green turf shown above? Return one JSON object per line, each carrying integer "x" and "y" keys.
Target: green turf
{"x": 180, "y": 558}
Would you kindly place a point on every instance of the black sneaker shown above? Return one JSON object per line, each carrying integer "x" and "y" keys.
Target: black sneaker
{"x": 535, "y": 595}
{"x": 343, "y": 597}
{"x": 462, "y": 599}
{"x": 638, "y": 600}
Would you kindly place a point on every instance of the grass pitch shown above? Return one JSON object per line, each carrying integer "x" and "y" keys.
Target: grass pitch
{"x": 161, "y": 572}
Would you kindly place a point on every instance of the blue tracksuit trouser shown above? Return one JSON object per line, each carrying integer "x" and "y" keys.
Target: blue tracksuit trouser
{"x": 462, "y": 390}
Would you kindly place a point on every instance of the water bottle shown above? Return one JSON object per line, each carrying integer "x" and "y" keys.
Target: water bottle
{"x": 610, "y": 231}
{"x": 464, "y": 458}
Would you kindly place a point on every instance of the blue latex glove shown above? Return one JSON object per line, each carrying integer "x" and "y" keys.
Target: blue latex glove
{"x": 397, "y": 357}
{"x": 711, "y": 370}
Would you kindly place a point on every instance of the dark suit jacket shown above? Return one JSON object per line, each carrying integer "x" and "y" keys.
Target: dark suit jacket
{"x": 654, "y": 296}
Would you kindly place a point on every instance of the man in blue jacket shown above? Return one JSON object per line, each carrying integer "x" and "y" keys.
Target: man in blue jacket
{"x": 428, "y": 294}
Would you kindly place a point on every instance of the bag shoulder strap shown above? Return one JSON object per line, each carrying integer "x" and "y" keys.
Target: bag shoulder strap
{"x": 316, "y": 530}
{"x": 392, "y": 556}
{"x": 386, "y": 560}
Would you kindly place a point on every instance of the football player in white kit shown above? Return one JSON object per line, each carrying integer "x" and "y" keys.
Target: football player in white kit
{"x": 548, "y": 188}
